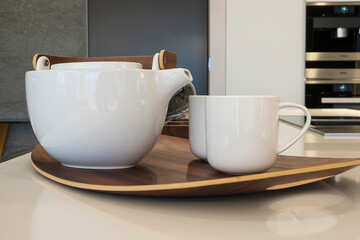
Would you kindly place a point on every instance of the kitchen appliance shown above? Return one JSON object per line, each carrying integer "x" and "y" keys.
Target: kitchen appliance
{"x": 330, "y": 127}
{"x": 329, "y": 122}
{"x": 333, "y": 55}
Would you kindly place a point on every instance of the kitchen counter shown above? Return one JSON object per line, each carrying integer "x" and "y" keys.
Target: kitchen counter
{"x": 33, "y": 207}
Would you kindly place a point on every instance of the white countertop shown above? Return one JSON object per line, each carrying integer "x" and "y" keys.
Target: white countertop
{"x": 33, "y": 207}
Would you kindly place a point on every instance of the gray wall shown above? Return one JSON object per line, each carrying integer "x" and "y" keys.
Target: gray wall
{"x": 28, "y": 27}
{"x": 117, "y": 27}
{"x": 143, "y": 27}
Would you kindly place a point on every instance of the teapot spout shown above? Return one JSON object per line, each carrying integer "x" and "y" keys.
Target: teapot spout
{"x": 170, "y": 81}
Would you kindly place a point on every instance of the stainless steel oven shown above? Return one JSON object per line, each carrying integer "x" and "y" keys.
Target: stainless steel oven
{"x": 333, "y": 55}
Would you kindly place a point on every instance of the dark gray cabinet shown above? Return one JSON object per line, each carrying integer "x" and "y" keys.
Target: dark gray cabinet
{"x": 143, "y": 27}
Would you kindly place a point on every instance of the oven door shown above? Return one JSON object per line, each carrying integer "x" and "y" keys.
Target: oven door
{"x": 332, "y": 27}
{"x": 332, "y": 94}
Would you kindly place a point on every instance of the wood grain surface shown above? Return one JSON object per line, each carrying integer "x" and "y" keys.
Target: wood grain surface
{"x": 176, "y": 128}
{"x": 167, "y": 59}
{"x": 172, "y": 170}
{"x": 3, "y": 132}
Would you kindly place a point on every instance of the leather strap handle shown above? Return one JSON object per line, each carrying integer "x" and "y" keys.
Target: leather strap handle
{"x": 167, "y": 59}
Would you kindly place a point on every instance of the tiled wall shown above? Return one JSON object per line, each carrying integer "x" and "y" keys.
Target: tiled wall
{"x": 28, "y": 27}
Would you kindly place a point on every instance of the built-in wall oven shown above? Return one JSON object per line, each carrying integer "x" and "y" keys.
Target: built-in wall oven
{"x": 333, "y": 55}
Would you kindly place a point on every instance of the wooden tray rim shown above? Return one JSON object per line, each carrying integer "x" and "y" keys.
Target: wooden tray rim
{"x": 193, "y": 184}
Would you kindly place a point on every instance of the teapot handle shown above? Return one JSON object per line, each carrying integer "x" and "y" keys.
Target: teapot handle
{"x": 167, "y": 59}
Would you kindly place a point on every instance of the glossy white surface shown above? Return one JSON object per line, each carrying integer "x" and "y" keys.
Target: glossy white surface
{"x": 197, "y": 137}
{"x": 242, "y": 132}
{"x": 106, "y": 118}
{"x": 33, "y": 207}
{"x": 304, "y": 128}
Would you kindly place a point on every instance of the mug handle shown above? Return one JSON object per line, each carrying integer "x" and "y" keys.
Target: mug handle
{"x": 303, "y": 130}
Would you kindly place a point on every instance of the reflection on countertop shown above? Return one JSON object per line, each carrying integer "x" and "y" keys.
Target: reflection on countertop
{"x": 331, "y": 123}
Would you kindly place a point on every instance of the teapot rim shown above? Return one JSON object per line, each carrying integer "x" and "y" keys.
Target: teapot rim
{"x": 96, "y": 65}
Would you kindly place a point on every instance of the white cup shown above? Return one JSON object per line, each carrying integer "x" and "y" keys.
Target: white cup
{"x": 240, "y": 132}
{"x": 197, "y": 137}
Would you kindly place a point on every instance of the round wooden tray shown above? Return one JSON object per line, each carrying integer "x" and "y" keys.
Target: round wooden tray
{"x": 172, "y": 170}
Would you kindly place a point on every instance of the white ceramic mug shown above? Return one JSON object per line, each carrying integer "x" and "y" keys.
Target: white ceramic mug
{"x": 197, "y": 137}
{"x": 241, "y": 132}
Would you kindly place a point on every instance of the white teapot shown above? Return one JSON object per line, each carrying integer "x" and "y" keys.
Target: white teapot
{"x": 101, "y": 115}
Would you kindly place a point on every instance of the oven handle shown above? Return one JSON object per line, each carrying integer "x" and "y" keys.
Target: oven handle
{"x": 340, "y": 100}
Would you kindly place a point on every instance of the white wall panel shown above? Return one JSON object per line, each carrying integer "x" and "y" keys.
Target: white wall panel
{"x": 265, "y": 48}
